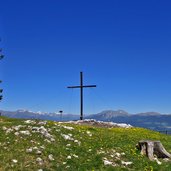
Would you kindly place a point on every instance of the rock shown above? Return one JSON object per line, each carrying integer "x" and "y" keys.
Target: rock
{"x": 39, "y": 159}
{"x": 38, "y": 152}
{"x": 51, "y": 157}
{"x": 29, "y": 150}
{"x": 16, "y": 133}
{"x": 107, "y": 162}
{"x": 100, "y": 123}
{"x": 68, "y": 157}
{"x": 126, "y": 163}
{"x": 25, "y": 132}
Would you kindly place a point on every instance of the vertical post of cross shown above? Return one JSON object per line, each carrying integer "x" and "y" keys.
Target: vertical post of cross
{"x": 81, "y": 95}
{"x": 1, "y": 90}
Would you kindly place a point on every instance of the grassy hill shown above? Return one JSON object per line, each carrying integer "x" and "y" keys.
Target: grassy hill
{"x": 47, "y": 145}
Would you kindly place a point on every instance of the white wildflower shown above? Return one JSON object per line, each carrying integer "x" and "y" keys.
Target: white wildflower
{"x": 68, "y": 157}
{"x": 89, "y": 133}
{"x": 14, "y": 161}
{"x": 75, "y": 156}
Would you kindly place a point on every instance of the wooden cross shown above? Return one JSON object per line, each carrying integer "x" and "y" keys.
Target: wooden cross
{"x": 81, "y": 86}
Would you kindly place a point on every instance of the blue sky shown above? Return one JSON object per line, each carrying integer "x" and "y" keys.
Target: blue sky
{"x": 122, "y": 46}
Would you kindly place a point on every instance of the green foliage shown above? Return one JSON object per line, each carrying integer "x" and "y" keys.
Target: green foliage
{"x": 74, "y": 147}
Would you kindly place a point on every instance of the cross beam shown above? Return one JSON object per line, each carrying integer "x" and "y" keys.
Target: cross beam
{"x": 81, "y": 86}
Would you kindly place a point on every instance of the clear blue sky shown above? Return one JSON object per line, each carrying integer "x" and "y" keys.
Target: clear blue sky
{"x": 122, "y": 46}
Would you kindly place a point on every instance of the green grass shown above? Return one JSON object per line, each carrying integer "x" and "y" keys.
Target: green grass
{"x": 89, "y": 147}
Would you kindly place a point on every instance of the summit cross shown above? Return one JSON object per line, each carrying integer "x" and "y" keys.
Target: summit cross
{"x": 81, "y": 86}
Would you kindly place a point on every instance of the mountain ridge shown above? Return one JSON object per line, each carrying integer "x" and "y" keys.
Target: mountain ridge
{"x": 150, "y": 120}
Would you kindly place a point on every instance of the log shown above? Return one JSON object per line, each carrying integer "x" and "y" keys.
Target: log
{"x": 151, "y": 148}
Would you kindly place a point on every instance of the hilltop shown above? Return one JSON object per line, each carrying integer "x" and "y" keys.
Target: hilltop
{"x": 48, "y": 145}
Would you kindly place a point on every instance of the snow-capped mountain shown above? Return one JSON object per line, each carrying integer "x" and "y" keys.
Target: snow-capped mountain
{"x": 21, "y": 113}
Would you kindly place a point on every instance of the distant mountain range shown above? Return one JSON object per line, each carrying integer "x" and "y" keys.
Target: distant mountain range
{"x": 26, "y": 114}
{"x": 151, "y": 120}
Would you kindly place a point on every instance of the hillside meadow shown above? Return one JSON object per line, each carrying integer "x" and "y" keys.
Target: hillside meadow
{"x": 28, "y": 145}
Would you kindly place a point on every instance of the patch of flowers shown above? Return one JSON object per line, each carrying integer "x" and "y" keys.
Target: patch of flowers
{"x": 89, "y": 133}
